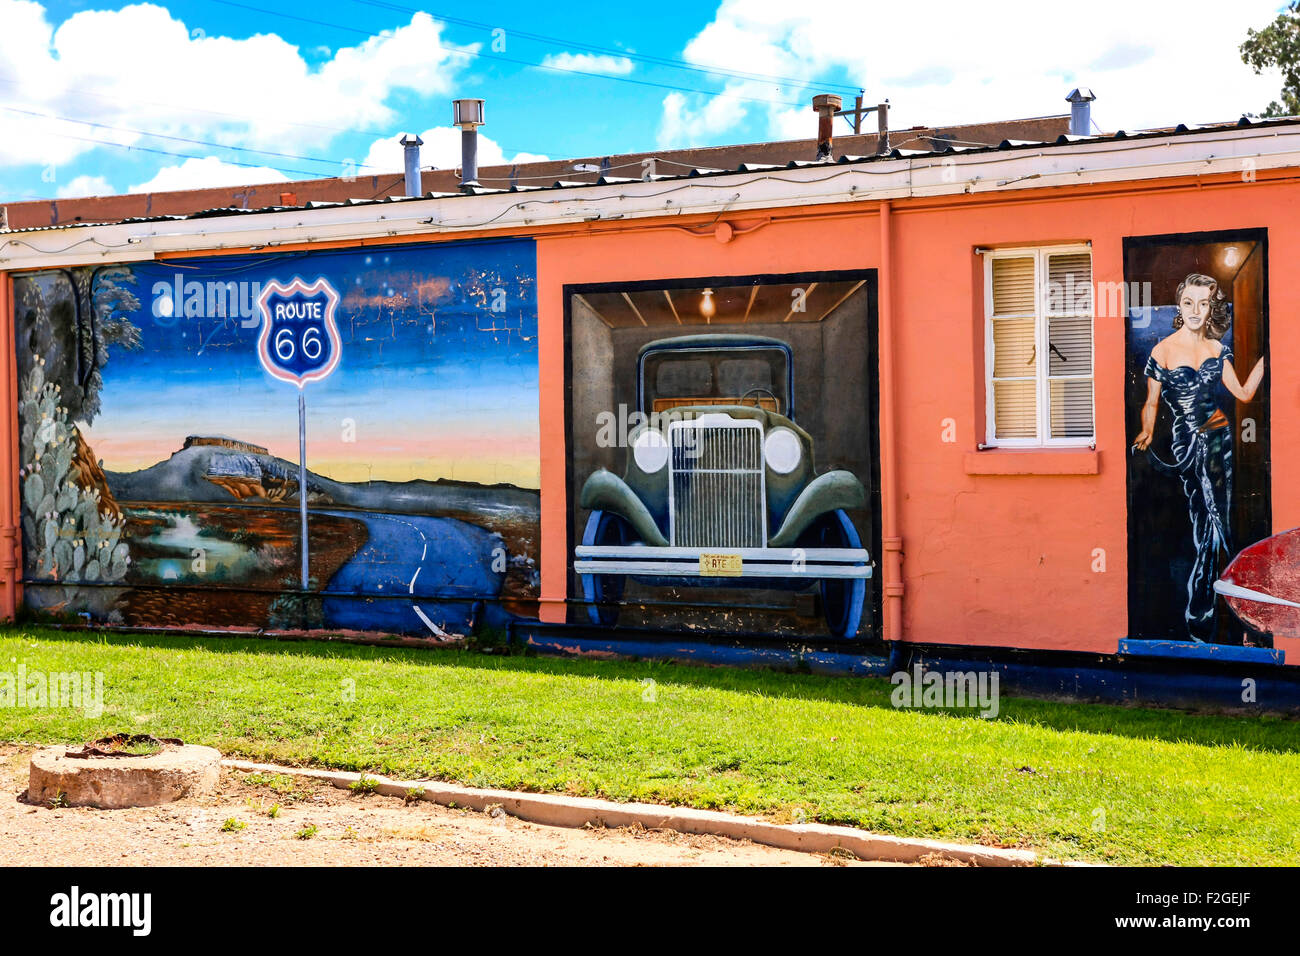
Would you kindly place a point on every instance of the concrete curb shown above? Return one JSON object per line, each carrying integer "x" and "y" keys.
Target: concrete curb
{"x": 564, "y": 811}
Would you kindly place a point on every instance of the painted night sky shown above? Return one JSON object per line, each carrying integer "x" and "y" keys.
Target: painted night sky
{"x": 437, "y": 383}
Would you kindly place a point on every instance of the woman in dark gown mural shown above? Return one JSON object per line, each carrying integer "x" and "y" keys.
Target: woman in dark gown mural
{"x": 1185, "y": 368}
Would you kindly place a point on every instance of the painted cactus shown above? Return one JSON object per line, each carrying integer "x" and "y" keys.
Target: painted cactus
{"x": 67, "y": 535}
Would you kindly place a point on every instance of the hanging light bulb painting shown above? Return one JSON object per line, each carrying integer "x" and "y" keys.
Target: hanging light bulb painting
{"x": 708, "y": 308}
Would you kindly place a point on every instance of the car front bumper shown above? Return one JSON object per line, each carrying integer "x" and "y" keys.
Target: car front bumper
{"x": 642, "y": 560}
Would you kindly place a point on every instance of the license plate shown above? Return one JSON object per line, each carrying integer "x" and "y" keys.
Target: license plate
{"x": 720, "y": 565}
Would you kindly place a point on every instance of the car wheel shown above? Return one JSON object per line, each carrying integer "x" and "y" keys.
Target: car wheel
{"x": 603, "y": 592}
{"x": 842, "y": 598}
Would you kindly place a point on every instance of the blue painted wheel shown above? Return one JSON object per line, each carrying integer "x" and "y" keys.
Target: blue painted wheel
{"x": 604, "y": 592}
{"x": 842, "y": 598}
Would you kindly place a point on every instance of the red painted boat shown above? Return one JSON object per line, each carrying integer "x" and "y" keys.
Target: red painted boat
{"x": 1262, "y": 584}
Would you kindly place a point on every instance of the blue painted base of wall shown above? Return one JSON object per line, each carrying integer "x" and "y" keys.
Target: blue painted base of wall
{"x": 782, "y": 655}
{"x": 1196, "y": 683}
{"x": 1205, "y": 652}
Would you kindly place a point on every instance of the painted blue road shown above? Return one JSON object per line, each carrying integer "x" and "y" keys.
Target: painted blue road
{"x": 416, "y": 575}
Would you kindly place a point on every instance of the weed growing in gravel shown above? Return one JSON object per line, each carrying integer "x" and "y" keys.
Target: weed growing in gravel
{"x": 283, "y": 784}
{"x": 364, "y": 785}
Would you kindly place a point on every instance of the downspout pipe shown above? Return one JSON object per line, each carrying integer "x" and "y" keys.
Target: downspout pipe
{"x": 891, "y": 536}
{"x": 9, "y": 538}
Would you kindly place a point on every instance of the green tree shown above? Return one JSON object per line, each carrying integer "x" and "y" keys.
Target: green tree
{"x": 67, "y": 321}
{"x": 1278, "y": 45}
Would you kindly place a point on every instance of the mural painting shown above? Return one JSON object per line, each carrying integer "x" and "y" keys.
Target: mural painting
{"x": 1197, "y": 408}
{"x": 722, "y": 456}
{"x": 162, "y": 480}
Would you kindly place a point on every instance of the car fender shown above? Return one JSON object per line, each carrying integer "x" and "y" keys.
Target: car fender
{"x": 605, "y": 491}
{"x": 825, "y": 493}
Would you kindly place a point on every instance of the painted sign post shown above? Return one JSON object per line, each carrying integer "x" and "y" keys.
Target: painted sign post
{"x": 299, "y": 342}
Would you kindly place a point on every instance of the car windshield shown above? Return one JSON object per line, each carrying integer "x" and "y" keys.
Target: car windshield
{"x": 755, "y": 376}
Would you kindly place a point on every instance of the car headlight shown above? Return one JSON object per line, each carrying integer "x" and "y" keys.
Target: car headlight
{"x": 782, "y": 449}
{"x": 650, "y": 450}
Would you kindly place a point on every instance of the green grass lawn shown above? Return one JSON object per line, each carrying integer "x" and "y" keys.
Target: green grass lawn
{"x": 1104, "y": 783}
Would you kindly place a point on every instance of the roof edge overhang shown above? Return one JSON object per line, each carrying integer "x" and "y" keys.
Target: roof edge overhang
{"x": 973, "y": 172}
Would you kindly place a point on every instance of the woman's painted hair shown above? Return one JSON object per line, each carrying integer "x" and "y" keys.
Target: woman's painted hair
{"x": 1216, "y": 326}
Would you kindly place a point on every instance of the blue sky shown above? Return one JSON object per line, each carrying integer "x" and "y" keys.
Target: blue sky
{"x": 331, "y": 84}
{"x": 407, "y": 317}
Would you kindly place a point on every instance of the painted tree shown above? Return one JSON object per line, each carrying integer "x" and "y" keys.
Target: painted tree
{"x": 70, "y": 318}
{"x": 1278, "y": 45}
{"x": 66, "y": 322}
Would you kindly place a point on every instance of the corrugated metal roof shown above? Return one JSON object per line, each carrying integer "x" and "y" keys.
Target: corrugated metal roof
{"x": 948, "y": 149}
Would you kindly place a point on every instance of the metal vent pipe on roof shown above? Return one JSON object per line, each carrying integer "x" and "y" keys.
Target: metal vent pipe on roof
{"x": 1080, "y": 101}
{"x": 411, "y": 146}
{"x": 468, "y": 115}
{"x": 826, "y": 105}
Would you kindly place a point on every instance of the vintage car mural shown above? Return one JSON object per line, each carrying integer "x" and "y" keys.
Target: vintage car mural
{"x": 720, "y": 486}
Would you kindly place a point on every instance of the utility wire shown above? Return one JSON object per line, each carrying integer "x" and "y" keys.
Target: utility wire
{"x": 509, "y": 59}
{"x": 309, "y": 174}
{"x": 396, "y": 7}
{"x": 241, "y": 117}
{"x": 670, "y": 62}
{"x": 178, "y": 139}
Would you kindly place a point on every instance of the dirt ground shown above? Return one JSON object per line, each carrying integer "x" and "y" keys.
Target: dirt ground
{"x": 350, "y": 830}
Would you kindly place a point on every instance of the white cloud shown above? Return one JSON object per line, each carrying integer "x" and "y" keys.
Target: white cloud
{"x": 207, "y": 173}
{"x": 86, "y": 186}
{"x": 142, "y": 68}
{"x": 1149, "y": 64}
{"x": 688, "y": 122}
{"x": 441, "y": 149}
{"x": 590, "y": 63}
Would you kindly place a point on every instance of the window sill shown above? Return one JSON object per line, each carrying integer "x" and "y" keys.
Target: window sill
{"x": 1033, "y": 461}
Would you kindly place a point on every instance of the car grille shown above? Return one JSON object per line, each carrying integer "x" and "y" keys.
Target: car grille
{"x": 716, "y": 484}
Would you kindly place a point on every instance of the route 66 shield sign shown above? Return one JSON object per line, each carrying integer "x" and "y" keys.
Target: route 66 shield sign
{"x": 299, "y": 341}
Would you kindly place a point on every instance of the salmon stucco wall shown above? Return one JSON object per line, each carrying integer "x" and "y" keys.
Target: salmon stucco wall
{"x": 1032, "y": 558}
{"x": 1000, "y": 548}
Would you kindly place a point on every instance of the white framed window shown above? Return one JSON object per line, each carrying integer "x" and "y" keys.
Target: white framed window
{"x": 1038, "y": 307}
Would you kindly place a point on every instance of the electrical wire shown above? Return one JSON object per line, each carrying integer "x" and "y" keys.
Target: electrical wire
{"x": 579, "y": 172}
{"x": 309, "y": 174}
{"x": 177, "y": 139}
{"x": 377, "y": 134}
{"x": 613, "y": 51}
{"x": 508, "y": 59}
{"x": 241, "y": 117}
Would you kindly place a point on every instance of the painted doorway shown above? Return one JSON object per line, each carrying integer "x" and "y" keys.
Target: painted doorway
{"x": 1200, "y": 490}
